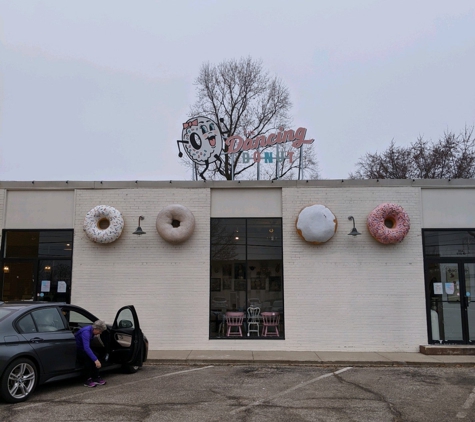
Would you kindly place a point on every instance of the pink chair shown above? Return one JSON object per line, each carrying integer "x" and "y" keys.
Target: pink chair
{"x": 234, "y": 319}
{"x": 270, "y": 319}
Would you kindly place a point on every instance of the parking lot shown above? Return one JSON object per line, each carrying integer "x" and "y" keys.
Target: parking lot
{"x": 258, "y": 393}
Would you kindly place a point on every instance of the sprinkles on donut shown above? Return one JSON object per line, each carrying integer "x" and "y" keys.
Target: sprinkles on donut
{"x": 103, "y": 224}
{"x": 388, "y": 223}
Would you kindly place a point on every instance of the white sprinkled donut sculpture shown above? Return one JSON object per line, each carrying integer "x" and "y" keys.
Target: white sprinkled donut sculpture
{"x": 388, "y": 223}
{"x": 316, "y": 224}
{"x": 103, "y": 224}
{"x": 175, "y": 223}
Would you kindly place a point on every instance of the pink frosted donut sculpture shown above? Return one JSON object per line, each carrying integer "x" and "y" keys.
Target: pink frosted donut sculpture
{"x": 175, "y": 223}
{"x": 316, "y": 224}
{"x": 388, "y": 223}
{"x": 103, "y": 224}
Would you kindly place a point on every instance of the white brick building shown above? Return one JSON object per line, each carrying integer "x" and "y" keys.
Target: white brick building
{"x": 350, "y": 293}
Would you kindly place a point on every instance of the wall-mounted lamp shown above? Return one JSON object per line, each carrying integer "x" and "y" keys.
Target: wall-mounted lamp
{"x": 47, "y": 268}
{"x": 353, "y": 232}
{"x": 6, "y": 269}
{"x": 139, "y": 230}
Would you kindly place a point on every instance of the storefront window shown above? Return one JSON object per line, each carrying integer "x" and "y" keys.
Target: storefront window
{"x": 35, "y": 244}
{"x": 449, "y": 243}
{"x": 36, "y": 265}
{"x": 246, "y": 272}
{"x": 450, "y": 285}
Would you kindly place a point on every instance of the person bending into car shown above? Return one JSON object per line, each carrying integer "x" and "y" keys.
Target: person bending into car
{"x": 86, "y": 356}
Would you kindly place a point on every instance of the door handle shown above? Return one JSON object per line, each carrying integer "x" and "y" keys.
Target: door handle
{"x": 36, "y": 340}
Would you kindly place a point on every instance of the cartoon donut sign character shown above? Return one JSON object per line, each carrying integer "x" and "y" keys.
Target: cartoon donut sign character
{"x": 202, "y": 141}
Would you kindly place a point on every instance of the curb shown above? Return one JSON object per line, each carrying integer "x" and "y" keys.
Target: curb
{"x": 238, "y": 362}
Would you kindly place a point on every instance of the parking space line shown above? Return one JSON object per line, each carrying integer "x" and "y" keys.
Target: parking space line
{"x": 111, "y": 387}
{"x": 467, "y": 405}
{"x": 296, "y": 387}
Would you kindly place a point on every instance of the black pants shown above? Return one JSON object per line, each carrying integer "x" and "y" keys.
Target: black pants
{"x": 89, "y": 369}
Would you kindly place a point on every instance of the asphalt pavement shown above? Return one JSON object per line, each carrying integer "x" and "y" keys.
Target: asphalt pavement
{"x": 258, "y": 393}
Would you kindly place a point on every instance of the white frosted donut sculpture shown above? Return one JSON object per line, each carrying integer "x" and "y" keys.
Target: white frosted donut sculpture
{"x": 388, "y": 223}
{"x": 316, "y": 224}
{"x": 108, "y": 217}
{"x": 175, "y": 223}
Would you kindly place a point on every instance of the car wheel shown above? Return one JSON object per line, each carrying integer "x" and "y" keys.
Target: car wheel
{"x": 19, "y": 380}
{"x": 130, "y": 369}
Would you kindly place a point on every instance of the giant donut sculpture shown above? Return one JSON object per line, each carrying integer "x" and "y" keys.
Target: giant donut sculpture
{"x": 175, "y": 223}
{"x": 316, "y": 224}
{"x": 388, "y": 223}
{"x": 103, "y": 224}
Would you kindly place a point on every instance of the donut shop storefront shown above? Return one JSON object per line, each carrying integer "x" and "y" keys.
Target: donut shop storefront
{"x": 212, "y": 250}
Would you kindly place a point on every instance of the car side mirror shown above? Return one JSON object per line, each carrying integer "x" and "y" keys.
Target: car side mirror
{"x": 125, "y": 324}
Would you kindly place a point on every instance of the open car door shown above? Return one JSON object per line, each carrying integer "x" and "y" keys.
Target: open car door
{"x": 127, "y": 338}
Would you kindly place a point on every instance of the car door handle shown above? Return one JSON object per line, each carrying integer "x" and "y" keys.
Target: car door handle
{"x": 36, "y": 340}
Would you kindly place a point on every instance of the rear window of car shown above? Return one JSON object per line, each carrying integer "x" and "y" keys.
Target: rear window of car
{"x": 26, "y": 324}
{"x": 48, "y": 319}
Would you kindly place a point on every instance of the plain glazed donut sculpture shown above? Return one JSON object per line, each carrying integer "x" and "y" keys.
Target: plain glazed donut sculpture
{"x": 388, "y": 223}
{"x": 107, "y": 217}
{"x": 316, "y": 224}
{"x": 175, "y": 223}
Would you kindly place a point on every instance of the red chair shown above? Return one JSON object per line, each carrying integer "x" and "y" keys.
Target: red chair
{"x": 270, "y": 319}
{"x": 234, "y": 319}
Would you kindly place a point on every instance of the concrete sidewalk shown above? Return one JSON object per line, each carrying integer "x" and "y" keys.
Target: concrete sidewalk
{"x": 195, "y": 357}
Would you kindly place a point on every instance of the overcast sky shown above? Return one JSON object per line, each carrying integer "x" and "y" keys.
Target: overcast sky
{"x": 98, "y": 90}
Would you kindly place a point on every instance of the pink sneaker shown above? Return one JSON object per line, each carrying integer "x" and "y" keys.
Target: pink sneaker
{"x": 90, "y": 383}
{"x": 99, "y": 381}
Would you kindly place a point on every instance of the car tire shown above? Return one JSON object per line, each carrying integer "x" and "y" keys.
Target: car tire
{"x": 130, "y": 369}
{"x": 19, "y": 380}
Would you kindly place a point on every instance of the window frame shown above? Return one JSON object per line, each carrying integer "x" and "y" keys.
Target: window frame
{"x": 246, "y": 262}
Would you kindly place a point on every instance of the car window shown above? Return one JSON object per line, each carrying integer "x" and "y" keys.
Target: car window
{"x": 26, "y": 325}
{"x": 125, "y": 319}
{"x": 77, "y": 318}
{"x": 48, "y": 319}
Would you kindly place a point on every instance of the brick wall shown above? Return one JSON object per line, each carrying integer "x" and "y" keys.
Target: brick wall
{"x": 168, "y": 284}
{"x": 353, "y": 293}
{"x": 348, "y": 294}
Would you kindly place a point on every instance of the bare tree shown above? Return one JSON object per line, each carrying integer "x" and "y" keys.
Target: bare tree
{"x": 243, "y": 99}
{"x": 452, "y": 157}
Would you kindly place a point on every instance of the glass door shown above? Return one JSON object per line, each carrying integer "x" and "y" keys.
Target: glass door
{"x": 469, "y": 275}
{"x": 18, "y": 281}
{"x": 452, "y": 307}
{"x": 54, "y": 280}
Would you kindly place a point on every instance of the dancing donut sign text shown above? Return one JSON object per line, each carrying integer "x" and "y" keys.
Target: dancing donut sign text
{"x": 203, "y": 141}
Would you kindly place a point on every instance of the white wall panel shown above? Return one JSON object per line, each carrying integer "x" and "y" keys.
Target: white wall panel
{"x": 246, "y": 203}
{"x": 353, "y": 293}
{"x": 39, "y": 209}
{"x": 448, "y": 208}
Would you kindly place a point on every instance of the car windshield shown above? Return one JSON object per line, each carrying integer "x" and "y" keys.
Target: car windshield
{"x": 4, "y": 313}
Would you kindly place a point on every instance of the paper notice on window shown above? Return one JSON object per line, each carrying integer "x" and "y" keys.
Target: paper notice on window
{"x": 438, "y": 288}
{"x": 450, "y": 288}
{"x": 62, "y": 287}
{"x": 45, "y": 285}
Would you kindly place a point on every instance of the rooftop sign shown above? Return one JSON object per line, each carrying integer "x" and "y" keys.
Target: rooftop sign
{"x": 203, "y": 142}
